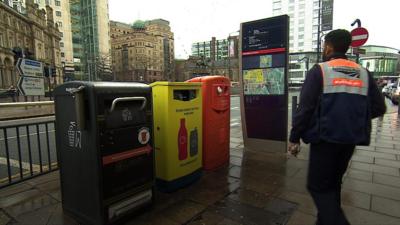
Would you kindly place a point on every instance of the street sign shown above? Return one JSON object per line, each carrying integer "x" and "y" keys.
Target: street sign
{"x": 31, "y": 85}
{"x": 359, "y": 37}
{"x": 27, "y": 67}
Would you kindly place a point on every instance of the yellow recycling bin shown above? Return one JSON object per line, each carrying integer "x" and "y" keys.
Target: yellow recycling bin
{"x": 177, "y": 111}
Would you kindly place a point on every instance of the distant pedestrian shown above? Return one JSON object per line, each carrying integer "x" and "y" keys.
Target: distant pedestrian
{"x": 337, "y": 102}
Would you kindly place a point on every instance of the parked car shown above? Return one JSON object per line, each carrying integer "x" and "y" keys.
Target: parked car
{"x": 394, "y": 94}
{"x": 386, "y": 89}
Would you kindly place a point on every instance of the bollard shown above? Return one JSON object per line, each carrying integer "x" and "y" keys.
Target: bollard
{"x": 294, "y": 106}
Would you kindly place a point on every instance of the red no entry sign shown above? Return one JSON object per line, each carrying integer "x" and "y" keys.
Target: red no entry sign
{"x": 359, "y": 36}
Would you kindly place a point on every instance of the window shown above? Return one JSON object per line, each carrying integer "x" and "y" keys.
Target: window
{"x": 301, "y": 36}
{"x": 48, "y": 2}
{"x": 300, "y": 44}
{"x": 58, "y": 13}
{"x": 301, "y": 21}
{"x": 301, "y": 29}
{"x": 58, "y": 3}
{"x": 301, "y": 14}
{"x": 62, "y": 34}
{"x": 62, "y": 54}
{"x": 59, "y": 24}
{"x": 302, "y": 6}
{"x": 61, "y": 44}
{"x": 1, "y": 40}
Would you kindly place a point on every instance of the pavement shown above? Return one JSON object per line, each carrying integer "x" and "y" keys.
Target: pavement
{"x": 256, "y": 187}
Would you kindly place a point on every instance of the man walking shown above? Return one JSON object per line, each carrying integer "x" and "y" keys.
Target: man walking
{"x": 337, "y": 102}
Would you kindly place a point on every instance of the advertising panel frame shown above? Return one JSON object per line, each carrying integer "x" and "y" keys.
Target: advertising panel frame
{"x": 268, "y": 140}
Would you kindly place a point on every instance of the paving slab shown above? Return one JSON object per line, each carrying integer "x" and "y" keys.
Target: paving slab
{"x": 387, "y": 180}
{"x": 372, "y": 188}
{"x": 386, "y": 206}
{"x": 375, "y": 168}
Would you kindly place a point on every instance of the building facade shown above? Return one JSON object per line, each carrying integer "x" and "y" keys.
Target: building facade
{"x": 90, "y": 40}
{"x": 62, "y": 18}
{"x": 143, "y": 51}
{"x": 381, "y": 61}
{"x": 216, "y": 49}
{"x": 303, "y": 33}
{"x": 215, "y": 57}
{"x": 29, "y": 32}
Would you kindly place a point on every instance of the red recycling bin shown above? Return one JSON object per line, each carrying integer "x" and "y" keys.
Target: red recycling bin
{"x": 216, "y": 120}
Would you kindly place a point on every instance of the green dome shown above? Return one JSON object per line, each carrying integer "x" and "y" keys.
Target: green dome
{"x": 139, "y": 24}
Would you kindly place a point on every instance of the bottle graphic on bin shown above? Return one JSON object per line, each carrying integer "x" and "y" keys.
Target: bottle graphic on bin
{"x": 182, "y": 141}
{"x": 193, "y": 142}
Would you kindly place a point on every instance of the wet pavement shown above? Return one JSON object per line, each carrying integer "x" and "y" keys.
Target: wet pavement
{"x": 256, "y": 187}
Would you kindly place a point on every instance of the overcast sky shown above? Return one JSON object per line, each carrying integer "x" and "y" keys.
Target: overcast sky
{"x": 199, "y": 20}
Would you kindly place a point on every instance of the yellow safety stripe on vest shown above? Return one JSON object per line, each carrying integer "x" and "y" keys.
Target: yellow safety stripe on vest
{"x": 344, "y": 79}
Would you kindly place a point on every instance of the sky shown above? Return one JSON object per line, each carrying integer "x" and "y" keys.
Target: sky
{"x": 199, "y": 20}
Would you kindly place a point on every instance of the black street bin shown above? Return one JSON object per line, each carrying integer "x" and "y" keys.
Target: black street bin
{"x": 105, "y": 149}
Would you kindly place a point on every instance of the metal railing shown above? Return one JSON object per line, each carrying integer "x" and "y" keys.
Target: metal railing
{"x": 25, "y": 104}
{"x": 26, "y": 151}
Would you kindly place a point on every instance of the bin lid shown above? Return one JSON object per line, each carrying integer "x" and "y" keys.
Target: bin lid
{"x": 210, "y": 78}
{"x": 166, "y": 83}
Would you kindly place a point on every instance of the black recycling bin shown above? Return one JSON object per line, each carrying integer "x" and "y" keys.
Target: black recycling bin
{"x": 105, "y": 149}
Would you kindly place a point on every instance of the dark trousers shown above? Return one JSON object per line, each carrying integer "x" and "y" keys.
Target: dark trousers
{"x": 328, "y": 162}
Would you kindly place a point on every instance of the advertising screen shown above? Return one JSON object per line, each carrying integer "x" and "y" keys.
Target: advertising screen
{"x": 259, "y": 35}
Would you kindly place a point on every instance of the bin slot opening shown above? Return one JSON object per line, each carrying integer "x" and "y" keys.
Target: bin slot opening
{"x": 221, "y": 89}
{"x": 119, "y": 101}
{"x": 184, "y": 95}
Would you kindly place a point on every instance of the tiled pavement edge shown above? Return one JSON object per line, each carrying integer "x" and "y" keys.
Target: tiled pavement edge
{"x": 255, "y": 188}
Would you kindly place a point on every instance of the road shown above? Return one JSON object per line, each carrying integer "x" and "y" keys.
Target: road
{"x": 47, "y": 150}
{"x": 40, "y": 141}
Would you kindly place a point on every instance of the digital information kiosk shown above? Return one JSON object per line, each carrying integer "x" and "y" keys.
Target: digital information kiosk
{"x": 263, "y": 73}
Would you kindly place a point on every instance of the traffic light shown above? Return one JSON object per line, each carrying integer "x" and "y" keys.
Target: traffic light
{"x": 53, "y": 72}
{"x": 46, "y": 71}
{"x": 18, "y": 53}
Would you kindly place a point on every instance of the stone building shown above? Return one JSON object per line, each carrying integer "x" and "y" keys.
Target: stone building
{"x": 31, "y": 32}
{"x": 143, "y": 51}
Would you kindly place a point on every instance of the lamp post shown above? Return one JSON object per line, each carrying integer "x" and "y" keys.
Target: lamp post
{"x": 307, "y": 61}
{"x": 229, "y": 55}
{"x": 319, "y": 31}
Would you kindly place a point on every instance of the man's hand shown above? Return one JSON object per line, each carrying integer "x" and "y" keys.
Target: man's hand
{"x": 294, "y": 149}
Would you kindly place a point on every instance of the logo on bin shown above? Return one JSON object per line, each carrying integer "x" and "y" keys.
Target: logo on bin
{"x": 126, "y": 115}
{"x": 74, "y": 136}
{"x": 144, "y": 135}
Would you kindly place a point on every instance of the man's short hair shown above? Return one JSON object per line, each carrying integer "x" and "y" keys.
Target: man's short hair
{"x": 339, "y": 39}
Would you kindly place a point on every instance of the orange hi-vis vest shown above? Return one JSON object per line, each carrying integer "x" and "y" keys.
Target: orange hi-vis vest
{"x": 342, "y": 114}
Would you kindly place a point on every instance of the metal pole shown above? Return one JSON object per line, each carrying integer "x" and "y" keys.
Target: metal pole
{"x": 319, "y": 32}
{"x": 25, "y": 104}
{"x": 358, "y": 21}
{"x": 229, "y": 57}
